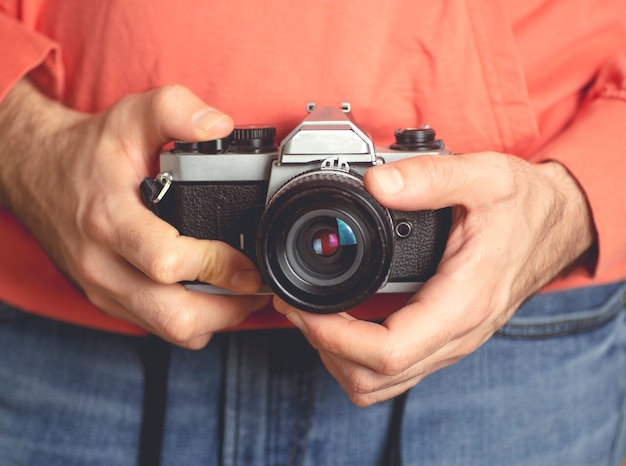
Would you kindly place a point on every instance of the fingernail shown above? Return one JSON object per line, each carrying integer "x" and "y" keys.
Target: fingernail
{"x": 280, "y": 305}
{"x": 245, "y": 281}
{"x": 389, "y": 179}
{"x": 209, "y": 119}
{"x": 293, "y": 316}
{"x": 296, "y": 319}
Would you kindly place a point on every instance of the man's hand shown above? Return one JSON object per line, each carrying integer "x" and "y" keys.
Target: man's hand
{"x": 515, "y": 226}
{"x": 72, "y": 179}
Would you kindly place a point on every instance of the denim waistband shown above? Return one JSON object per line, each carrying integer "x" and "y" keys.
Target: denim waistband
{"x": 565, "y": 312}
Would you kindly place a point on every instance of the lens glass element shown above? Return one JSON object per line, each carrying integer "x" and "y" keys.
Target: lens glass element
{"x": 321, "y": 249}
{"x": 327, "y": 241}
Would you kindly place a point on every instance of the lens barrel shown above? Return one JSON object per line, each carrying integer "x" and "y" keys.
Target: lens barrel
{"x": 324, "y": 243}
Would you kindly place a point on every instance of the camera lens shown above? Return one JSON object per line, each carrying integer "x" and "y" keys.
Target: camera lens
{"x": 324, "y": 244}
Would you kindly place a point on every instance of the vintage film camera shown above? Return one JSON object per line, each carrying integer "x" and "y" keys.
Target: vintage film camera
{"x": 300, "y": 211}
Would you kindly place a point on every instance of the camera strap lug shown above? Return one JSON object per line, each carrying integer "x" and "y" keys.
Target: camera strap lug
{"x": 165, "y": 179}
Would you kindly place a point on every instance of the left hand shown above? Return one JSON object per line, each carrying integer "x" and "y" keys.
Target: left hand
{"x": 516, "y": 225}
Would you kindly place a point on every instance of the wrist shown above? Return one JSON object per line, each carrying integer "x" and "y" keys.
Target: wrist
{"x": 579, "y": 232}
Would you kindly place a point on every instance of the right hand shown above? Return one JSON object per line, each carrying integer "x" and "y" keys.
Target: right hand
{"x": 78, "y": 194}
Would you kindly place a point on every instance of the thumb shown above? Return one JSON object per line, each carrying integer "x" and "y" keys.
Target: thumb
{"x": 171, "y": 112}
{"x": 433, "y": 182}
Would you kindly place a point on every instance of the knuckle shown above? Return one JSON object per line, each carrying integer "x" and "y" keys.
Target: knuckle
{"x": 163, "y": 96}
{"x": 360, "y": 400}
{"x": 506, "y": 173}
{"x": 164, "y": 265}
{"x": 179, "y": 327}
{"x": 86, "y": 274}
{"x": 169, "y": 319}
{"x": 168, "y": 91}
{"x": 510, "y": 180}
{"x": 86, "y": 270}
{"x": 216, "y": 268}
{"x": 393, "y": 367}
{"x": 212, "y": 261}
{"x": 359, "y": 384}
{"x": 437, "y": 173}
{"x": 98, "y": 299}
{"x": 394, "y": 362}
{"x": 323, "y": 341}
{"x": 197, "y": 343}
{"x": 463, "y": 352}
{"x": 94, "y": 219}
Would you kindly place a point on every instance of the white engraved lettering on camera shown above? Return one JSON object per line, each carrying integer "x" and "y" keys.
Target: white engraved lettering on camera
{"x": 301, "y": 212}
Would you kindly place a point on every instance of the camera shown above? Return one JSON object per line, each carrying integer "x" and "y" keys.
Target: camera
{"x": 300, "y": 211}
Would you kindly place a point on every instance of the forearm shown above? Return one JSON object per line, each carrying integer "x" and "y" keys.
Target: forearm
{"x": 29, "y": 124}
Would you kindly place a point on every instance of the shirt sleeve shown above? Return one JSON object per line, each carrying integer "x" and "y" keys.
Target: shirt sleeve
{"x": 593, "y": 149}
{"x": 25, "y": 51}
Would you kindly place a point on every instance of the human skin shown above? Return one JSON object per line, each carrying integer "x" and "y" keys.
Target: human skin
{"x": 516, "y": 225}
{"x": 72, "y": 179}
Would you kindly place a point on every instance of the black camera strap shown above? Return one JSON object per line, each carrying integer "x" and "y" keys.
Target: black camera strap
{"x": 155, "y": 355}
{"x": 393, "y": 448}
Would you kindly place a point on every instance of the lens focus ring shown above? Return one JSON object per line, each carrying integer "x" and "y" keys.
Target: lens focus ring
{"x": 324, "y": 243}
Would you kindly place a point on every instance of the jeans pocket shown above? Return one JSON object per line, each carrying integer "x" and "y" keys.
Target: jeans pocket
{"x": 566, "y": 312}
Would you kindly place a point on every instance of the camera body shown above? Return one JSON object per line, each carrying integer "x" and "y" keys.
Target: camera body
{"x": 300, "y": 211}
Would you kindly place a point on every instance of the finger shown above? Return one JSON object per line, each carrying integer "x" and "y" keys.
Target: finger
{"x": 341, "y": 335}
{"x": 180, "y": 316}
{"x": 185, "y": 326}
{"x": 157, "y": 249}
{"x": 365, "y": 387}
{"x": 362, "y": 386}
{"x": 166, "y": 113}
{"x": 434, "y": 182}
{"x": 188, "y": 318}
{"x": 409, "y": 335}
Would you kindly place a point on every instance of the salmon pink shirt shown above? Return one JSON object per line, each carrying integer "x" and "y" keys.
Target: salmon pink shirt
{"x": 540, "y": 79}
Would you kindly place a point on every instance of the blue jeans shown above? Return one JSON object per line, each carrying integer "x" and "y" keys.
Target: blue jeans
{"x": 548, "y": 389}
